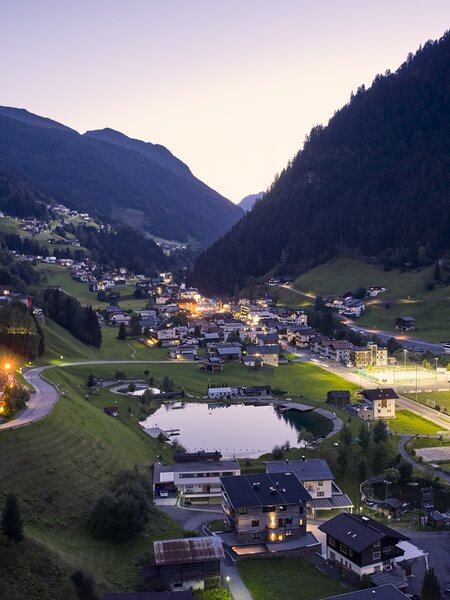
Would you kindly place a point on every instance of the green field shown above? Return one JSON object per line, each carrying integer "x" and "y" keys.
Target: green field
{"x": 406, "y": 422}
{"x": 433, "y": 398}
{"x": 58, "y": 467}
{"x": 406, "y": 294}
{"x": 287, "y": 579}
{"x": 59, "y": 342}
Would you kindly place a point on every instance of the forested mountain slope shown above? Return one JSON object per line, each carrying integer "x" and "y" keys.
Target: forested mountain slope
{"x": 376, "y": 180}
{"x": 107, "y": 173}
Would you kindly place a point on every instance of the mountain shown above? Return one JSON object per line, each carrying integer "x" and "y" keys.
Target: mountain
{"x": 375, "y": 181}
{"x": 107, "y": 173}
{"x": 248, "y": 202}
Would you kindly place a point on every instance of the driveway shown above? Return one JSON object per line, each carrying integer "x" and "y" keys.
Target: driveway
{"x": 437, "y": 546}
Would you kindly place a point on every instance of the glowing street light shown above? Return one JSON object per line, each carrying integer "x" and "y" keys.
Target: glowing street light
{"x": 7, "y": 366}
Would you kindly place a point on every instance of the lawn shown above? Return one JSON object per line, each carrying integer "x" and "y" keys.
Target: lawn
{"x": 433, "y": 398}
{"x": 59, "y": 342}
{"x": 287, "y": 579}
{"x": 59, "y": 466}
{"x": 406, "y": 294}
{"x": 407, "y": 422}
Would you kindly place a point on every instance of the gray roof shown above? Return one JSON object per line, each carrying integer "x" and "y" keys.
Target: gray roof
{"x": 379, "y": 394}
{"x": 336, "y": 501}
{"x": 254, "y": 350}
{"x": 358, "y": 532}
{"x": 264, "y": 489}
{"x": 382, "y": 592}
{"x": 195, "y": 467}
{"x": 312, "y": 469}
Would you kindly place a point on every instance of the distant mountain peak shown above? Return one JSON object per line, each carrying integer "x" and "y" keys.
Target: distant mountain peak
{"x": 248, "y": 202}
{"x": 25, "y": 116}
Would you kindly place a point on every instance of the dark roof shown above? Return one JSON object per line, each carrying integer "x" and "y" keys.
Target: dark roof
{"x": 264, "y": 489}
{"x": 254, "y": 350}
{"x": 338, "y": 393}
{"x": 182, "y": 595}
{"x": 188, "y": 550}
{"x": 406, "y": 319}
{"x": 312, "y": 469}
{"x": 358, "y": 532}
{"x": 382, "y": 592}
{"x": 379, "y": 394}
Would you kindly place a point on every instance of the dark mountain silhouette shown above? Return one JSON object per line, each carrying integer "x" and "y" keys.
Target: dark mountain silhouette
{"x": 107, "y": 173}
{"x": 375, "y": 180}
{"x": 248, "y": 202}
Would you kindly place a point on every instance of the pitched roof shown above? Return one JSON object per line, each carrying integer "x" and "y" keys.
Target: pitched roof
{"x": 382, "y": 592}
{"x": 255, "y": 350}
{"x": 264, "y": 489}
{"x": 358, "y": 532}
{"x": 312, "y": 469}
{"x": 379, "y": 394}
{"x": 190, "y": 550}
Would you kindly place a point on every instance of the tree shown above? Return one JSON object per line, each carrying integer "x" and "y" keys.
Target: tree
{"x": 305, "y": 436}
{"x": 84, "y": 586}
{"x": 380, "y": 432}
{"x": 12, "y": 524}
{"x": 360, "y": 292}
{"x": 122, "y": 335}
{"x": 437, "y": 272}
{"x": 393, "y": 346}
{"x": 318, "y": 304}
{"x": 406, "y": 470}
{"x": 167, "y": 384}
{"x": 363, "y": 468}
{"x": 277, "y": 452}
{"x": 343, "y": 456}
{"x": 131, "y": 386}
{"x": 135, "y": 328}
{"x": 120, "y": 374}
{"x": 91, "y": 380}
{"x": 345, "y": 436}
{"x": 379, "y": 458}
{"x": 15, "y": 399}
{"x": 392, "y": 475}
{"x": 431, "y": 590}
{"x": 364, "y": 436}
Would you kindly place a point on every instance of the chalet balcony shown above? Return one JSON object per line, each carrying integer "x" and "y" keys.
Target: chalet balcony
{"x": 394, "y": 553}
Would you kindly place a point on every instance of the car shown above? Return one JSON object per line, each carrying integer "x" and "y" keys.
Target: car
{"x": 163, "y": 494}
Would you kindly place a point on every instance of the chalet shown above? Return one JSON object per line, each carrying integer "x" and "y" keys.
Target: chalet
{"x": 252, "y": 361}
{"x": 405, "y": 323}
{"x": 315, "y": 342}
{"x": 340, "y": 398}
{"x": 188, "y": 305}
{"x": 189, "y": 562}
{"x": 377, "y": 403}
{"x": 184, "y": 352}
{"x": 117, "y": 318}
{"x": 301, "y": 335}
{"x": 294, "y": 319}
{"x": 212, "y": 364}
{"x": 226, "y": 350}
{"x": 381, "y": 592}
{"x": 196, "y": 482}
{"x": 361, "y": 544}
{"x": 265, "y": 507}
{"x": 318, "y": 480}
{"x": 369, "y": 356}
{"x": 268, "y": 354}
{"x": 269, "y": 339}
{"x": 374, "y": 291}
{"x": 353, "y": 308}
{"x": 339, "y": 351}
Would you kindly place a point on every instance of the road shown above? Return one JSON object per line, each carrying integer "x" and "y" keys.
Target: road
{"x": 43, "y": 400}
{"x": 403, "y": 339}
{"x": 419, "y": 466}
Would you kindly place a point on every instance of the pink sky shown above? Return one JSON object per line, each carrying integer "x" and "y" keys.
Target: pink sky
{"x": 231, "y": 87}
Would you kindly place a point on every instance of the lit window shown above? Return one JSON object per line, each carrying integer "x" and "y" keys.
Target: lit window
{"x": 301, "y": 522}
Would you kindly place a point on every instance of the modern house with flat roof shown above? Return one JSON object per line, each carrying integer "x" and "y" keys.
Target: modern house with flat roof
{"x": 189, "y": 562}
{"x": 265, "y": 507}
{"x": 196, "y": 482}
{"x": 360, "y": 544}
{"x": 318, "y": 480}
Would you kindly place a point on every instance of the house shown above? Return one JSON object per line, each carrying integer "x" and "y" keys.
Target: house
{"x": 381, "y": 592}
{"x": 267, "y": 354}
{"x": 374, "y": 291}
{"x": 340, "y": 398}
{"x": 370, "y": 356}
{"x": 184, "y": 352}
{"x": 269, "y": 339}
{"x": 212, "y": 364}
{"x": 353, "y": 308}
{"x": 117, "y": 318}
{"x": 189, "y": 562}
{"x": 223, "y": 392}
{"x": 377, "y": 403}
{"x": 339, "y": 351}
{"x": 265, "y": 507}
{"x": 318, "y": 480}
{"x": 360, "y": 544}
{"x": 197, "y": 482}
{"x": 301, "y": 335}
{"x": 226, "y": 350}
{"x": 405, "y": 323}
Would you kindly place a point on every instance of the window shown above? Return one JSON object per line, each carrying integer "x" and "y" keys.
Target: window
{"x": 288, "y": 521}
{"x": 255, "y": 523}
{"x": 343, "y": 548}
{"x": 376, "y": 555}
{"x": 332, "y": 542}
{"x": 267, "y": 509}
{"x": 320, "y": 483}
{"x": 320, "y": 494}
{"x": 242, "y": 511}
{"x": 332, "y": 556}
{"x": 255, "y": 536}
{"x": 301, "y": 522}
{"x": 387, "y": 549}
{"x": 377, "y": 544}
{"x": 350, "y": 552}
{"x": 377, "y": 569}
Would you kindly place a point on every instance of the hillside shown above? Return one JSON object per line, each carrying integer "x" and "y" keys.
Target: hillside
{"x": 105, "y": 172}
{"x": 375, "y": 180}
{"x": 248, "y": 202}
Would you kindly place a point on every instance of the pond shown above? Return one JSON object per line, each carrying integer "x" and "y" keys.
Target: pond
{"x": 241, "y": 430}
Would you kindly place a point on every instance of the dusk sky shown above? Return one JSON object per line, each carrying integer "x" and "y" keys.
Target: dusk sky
{"x": 230, "y": 87}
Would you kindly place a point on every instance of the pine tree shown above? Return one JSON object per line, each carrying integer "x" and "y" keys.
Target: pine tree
{"x": 431, "y": 590}
{"x": 364, "y": 436}
{"x": 84, "y": 586}
{"x": 122, "y": 335}
{"x": 437, "y": 272}
{"x": 12, "y": 524}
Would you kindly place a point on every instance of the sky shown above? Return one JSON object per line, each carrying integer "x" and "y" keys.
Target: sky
{"x": 230, "y": 87}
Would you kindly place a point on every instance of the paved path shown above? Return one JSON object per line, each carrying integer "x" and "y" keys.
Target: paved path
{"x": 46, "y": 394}
{"x": 420, "y": 466}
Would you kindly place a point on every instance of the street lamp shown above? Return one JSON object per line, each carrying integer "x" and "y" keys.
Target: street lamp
{"x": 7, "y": 366}
{"x": 436, "y": 360}
{"x": 405, "y": 351}
{"x": 227, "y": 579}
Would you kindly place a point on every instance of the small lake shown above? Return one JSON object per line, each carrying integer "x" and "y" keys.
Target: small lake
{"x": 240, "y": 430}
